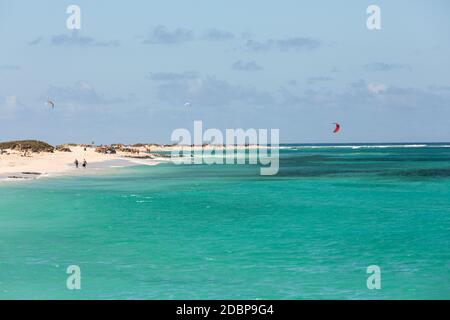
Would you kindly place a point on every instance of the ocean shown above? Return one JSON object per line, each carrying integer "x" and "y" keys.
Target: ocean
{"x": 226, "y": 232}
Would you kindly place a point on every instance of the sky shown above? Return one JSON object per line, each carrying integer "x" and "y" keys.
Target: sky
{"x": 298, "y": 66}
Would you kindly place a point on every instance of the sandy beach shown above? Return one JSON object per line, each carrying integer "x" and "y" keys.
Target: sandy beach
{"x": 14, "y": 165}
{"x": 22, "y": 165}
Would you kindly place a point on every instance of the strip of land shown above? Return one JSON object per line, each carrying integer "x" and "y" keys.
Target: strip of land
{"x": 30, "y": 159}
{"x": 34, "y": 159}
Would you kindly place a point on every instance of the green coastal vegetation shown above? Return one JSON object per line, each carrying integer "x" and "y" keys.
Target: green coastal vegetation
{"x": 27, "y": 145}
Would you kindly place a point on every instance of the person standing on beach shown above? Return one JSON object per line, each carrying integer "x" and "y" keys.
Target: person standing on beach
{"x": 76, "y": 163}
{"x": 84, "y": 163}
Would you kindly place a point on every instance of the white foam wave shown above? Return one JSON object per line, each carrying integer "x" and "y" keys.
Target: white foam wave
{"x": 381, "y": 146}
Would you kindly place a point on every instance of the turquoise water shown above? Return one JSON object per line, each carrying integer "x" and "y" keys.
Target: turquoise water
{"x": 216, "y": 232}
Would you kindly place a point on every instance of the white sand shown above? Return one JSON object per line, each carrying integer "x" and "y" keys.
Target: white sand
{"x": 15, "y": 164}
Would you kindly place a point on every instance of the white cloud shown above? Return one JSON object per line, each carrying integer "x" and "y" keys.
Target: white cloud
{"x": 376, "y": 88}
{"x": 208, "y": 91}
{"x": 10, "y": 67}
{"x": 75, "y": 40}
{"x": 163, "y": 35}
{"x": 384, "y": 67}
{"x": 80, "y": 95}
{"x": 217, "y": 35}
{"x": 295, "y": 43}
{"x": 246, "y": 66}
{"x": 12, "y": 101}
{"x": 9, "y": 106}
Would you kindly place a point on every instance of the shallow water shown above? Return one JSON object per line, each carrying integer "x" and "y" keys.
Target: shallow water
{"x": 213, "y": 232}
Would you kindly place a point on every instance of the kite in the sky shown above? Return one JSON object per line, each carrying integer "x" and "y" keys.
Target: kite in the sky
{"x": 187, "y": 104}
{"x": 51, "y": 103}
{"x": 337, "y": 127}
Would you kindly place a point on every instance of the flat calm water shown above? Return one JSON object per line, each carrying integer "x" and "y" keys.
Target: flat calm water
{"x": 225, "y": 232}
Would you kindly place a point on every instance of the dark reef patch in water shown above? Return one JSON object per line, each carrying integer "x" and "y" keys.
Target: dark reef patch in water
{"x": 421, "y": 173}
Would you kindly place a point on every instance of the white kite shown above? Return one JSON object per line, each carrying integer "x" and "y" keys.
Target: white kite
{"x": 51, "y": 103}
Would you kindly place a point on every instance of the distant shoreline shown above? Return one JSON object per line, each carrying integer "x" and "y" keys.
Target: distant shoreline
{"x": 30, "y": 159}
{"x": 21, "y": 164}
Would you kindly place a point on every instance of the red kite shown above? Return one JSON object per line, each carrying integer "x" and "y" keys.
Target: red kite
{"x": 337, "y": 128}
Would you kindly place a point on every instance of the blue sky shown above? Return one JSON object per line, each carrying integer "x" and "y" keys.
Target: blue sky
{"x": 294, "y": 65}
